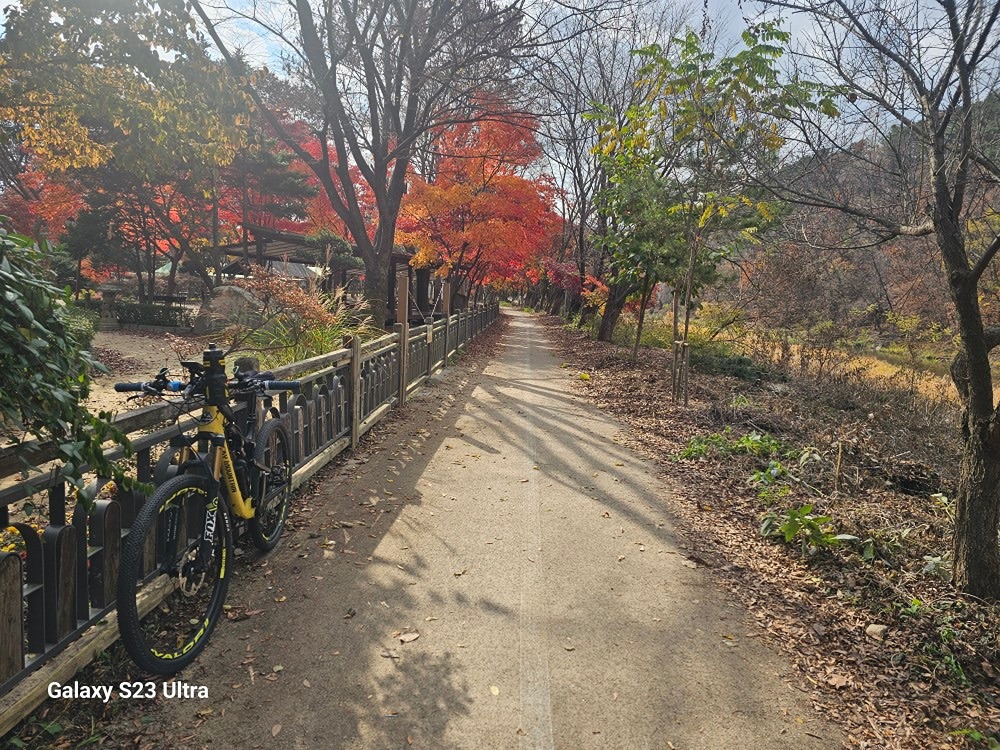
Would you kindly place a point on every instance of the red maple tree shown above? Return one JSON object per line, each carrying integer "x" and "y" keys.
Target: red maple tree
{"x": 485, "y": 213}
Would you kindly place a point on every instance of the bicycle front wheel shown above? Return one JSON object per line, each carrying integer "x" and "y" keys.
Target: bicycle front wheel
{"x": 272, "y": 489}
{"x": 174, "y": 574}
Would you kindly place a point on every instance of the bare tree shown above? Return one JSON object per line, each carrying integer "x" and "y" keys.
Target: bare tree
{"x": 594, "y": 64}
{"x": 915, "y": 153}
{"x": 384, "y": 74}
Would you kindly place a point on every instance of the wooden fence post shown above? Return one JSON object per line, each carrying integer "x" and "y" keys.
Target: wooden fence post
{"x": 402, "y": 328}
{"x": 355, "y": 391}
{"x": 446, "y": 306}
{"x": 11, "y": 623}
{"x": 59, "y": 544}
{"x": 403, "y": 331}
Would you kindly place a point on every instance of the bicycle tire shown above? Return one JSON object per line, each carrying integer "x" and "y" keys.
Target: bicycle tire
{"x": 164, "y": 541}
{"x": 272, "y": 489}
{"x": 166, "y": 468}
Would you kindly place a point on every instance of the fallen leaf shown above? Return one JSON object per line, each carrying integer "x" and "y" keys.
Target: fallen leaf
{"x": 570, "y": 648}
{"x": 306, "y": 683}
{"x": 838, "y": 681}
{"x": 409, "y": 637}
{"x": 277, "y": 668}
{"x": 275, "y": 729}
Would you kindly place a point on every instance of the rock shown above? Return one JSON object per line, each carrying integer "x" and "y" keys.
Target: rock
{"x": 876, "y": 631}
{"x": 228, "y": 305}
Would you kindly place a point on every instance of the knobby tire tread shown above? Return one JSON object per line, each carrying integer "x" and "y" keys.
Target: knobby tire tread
{"x": 129, "y": 623}
{"x": 263, "y": 540}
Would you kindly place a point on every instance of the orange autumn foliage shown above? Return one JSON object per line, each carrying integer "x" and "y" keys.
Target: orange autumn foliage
{"x": 59, "y": 201}
{"x": 482, "y": 217}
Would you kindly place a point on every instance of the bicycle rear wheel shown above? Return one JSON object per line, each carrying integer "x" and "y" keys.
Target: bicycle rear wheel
{"x": 272, "y": 489}
{"x": 168, "y": 571}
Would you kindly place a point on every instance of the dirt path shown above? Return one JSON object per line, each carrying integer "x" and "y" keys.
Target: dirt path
{"x": 129, "y": 356}
{"x": 555, "y": 606}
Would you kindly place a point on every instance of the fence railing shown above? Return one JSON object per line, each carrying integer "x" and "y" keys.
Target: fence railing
{"x": 61, "y": 579}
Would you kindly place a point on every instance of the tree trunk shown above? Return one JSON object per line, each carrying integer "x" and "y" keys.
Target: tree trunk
{"x": 647, "y": 290}
{"x": 377, "y": 286}
{"x": 617, "y": 296}
{"x": 172, "y": 276}
{"x": 977, "y": 517}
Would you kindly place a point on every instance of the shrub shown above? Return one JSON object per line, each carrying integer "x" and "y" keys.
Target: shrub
{"x": 717, "y": 358}
{"x": 82, "y": 324}
{"x": 752, "y": 444}
{"x": 147, "y": 314}
{"x": 46, "y": 375}
{"x": 294, "y": 324}
{"x": 800, "y": 523}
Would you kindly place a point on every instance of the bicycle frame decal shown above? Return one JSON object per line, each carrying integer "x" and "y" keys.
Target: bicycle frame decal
{"x": 187, "y": 646}
{"x": 210, "y": 513}
{"x": 222, "y": 465}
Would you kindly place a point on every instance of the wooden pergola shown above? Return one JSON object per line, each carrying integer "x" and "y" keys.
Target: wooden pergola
{"x": 267, "y": 246}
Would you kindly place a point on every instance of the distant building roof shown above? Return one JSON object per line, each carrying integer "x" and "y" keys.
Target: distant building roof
{"x": 283, "y": 268}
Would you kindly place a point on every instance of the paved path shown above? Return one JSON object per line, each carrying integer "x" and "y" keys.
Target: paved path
{"x": 534, "y": 556}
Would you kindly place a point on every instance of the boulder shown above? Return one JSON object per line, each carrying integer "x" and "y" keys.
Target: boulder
{"x": 227, "y": 306}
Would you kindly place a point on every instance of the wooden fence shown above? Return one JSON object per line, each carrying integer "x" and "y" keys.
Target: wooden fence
{"x": 64, "y": 580}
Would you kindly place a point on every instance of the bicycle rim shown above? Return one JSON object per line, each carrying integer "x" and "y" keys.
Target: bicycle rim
{"x": 165, "y": 565}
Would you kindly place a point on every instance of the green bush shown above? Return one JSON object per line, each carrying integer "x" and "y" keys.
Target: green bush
{"x": 146, "y": 314}
{"x": 46, "y": 375}
{"x": 82, "y": 324}
{"x": 89, "y": 303}
{"x": 753, "y": 444}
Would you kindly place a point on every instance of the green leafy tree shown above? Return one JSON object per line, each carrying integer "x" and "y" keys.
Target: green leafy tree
{"x": 678, "y": 197}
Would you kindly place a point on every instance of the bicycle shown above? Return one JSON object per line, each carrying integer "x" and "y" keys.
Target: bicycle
{"x": 176, "y": 561}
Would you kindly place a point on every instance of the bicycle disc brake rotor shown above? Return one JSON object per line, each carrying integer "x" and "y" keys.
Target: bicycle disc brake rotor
{"x": 189, "y": 581}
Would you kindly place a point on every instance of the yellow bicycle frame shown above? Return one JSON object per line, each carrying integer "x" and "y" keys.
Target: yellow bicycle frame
{"x": 221, "y": 462}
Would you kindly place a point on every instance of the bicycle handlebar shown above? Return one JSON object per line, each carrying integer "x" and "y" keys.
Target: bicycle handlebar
{"x": 153, "y": 386}
{"x": 158, "y": 386}
{"x": 282, "y": 385}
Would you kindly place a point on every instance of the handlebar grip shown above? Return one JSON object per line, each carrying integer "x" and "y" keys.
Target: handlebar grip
{"x": 128, "y": 387}
{"x": 282, "y": 385}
